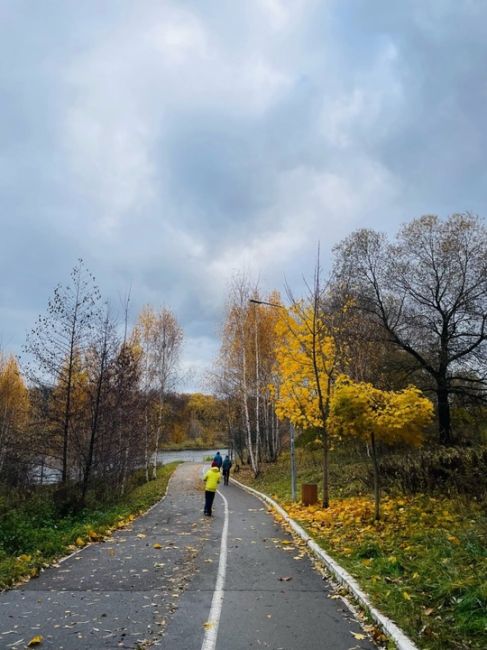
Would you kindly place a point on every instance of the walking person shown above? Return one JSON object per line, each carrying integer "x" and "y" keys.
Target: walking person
{"x": 227, "y": 463}
{"x": 218, "y": 459}
{"x": 211, "y": 479}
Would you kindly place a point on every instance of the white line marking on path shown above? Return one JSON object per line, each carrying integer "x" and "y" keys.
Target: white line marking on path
{"x": 211, "y": 630}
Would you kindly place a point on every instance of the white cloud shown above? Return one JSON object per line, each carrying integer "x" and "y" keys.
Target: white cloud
{"x": 368, "y": 107}
{"x": 310, "y": 206}
{"x": 179, "y": 38}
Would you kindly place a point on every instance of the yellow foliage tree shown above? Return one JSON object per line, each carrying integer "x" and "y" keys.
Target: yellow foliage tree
{"x": 307, "y": 360}
{"x": 358, "y": 409}
{"x": 158, "y": 336}
{"x": 14, "y": 405}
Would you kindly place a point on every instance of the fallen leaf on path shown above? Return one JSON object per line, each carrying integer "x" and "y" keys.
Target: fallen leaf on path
{"x": 358, "y": 636}
{"x": 157, "y": 546}
{"x": 141, "y": 536}
{"x": 208, "y": 625}
{"x": 36, "y": 640}
{"x": 285, "y": 578}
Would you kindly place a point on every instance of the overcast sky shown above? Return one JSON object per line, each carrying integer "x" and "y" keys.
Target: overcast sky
{"x": 171, "y": 144}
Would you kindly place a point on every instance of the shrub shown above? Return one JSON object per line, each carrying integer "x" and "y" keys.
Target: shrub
{"x": 445, "y": 470}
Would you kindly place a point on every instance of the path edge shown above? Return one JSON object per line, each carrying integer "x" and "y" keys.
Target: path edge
{"x": 395, "y": 633}
{"x": 139, "y": 516}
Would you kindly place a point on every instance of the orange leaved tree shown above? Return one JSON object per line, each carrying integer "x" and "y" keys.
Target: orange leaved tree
{"x": 360, "y": 410}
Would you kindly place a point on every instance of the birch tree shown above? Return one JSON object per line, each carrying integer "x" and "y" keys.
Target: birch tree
{"x": 160, "y": 338}
{"x": 246, "y": 364}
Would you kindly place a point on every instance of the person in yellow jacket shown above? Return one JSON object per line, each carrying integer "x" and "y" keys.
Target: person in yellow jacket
{"x": 211, "y": 479}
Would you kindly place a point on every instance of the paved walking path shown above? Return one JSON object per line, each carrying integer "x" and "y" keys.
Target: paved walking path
{"x": 124, "y": 593}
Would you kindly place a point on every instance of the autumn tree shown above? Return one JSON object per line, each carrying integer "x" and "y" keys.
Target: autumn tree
{"x": 127, "y": 407}
{"x": 204, "y": 416}
{"x": 358, "y": 409}
{"x": 14, "y": 411}
{"x": 160, "y": 338}
{"x": 265, "y": 316}
{"x": 427, "y": 293}
{"x": 223, "y": 385}
{"x": 73, "y": 371}
{"x": 54, "y": 345}
{"x": 245, "y": 367}
{"x": 234, "y": 359}
{"x": 99, "y": 358}
{"x": 307, "y": 362}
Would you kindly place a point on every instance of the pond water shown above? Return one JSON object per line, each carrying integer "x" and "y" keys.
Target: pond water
{"x": 47, "y": 474}
{"x": 191, "y": 455}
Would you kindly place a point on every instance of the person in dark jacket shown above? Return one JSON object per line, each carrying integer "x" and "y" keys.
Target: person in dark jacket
{"x": 227, "y": 463}
{"x": 218, "y": 460}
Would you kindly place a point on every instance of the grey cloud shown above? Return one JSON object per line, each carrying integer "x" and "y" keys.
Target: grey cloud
{"x": 169, "y": 144}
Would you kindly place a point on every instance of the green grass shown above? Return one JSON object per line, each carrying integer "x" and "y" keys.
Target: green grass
{"x": 424, "y": 565}
{"x": 33, "y": 534}
{"x": 436, "y": 591}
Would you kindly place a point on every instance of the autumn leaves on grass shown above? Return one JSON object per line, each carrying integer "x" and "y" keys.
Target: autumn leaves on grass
{"x": 423, "y": 562}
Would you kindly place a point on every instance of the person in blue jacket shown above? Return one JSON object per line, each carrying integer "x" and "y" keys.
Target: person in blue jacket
{"x": 218, "y": 460}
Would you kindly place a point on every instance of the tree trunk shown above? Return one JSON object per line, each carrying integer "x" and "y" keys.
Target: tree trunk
{"x": 326, "y": 494}
{"x": 94, "y": 423}
{"x": 146, "y": 450}
{"x": 444, "y": 422}
{"x": 156, "y": 444}
{"x": 246, "y": 407}
{"x": 67, "y": 418}
{"x": 375, "y": 463}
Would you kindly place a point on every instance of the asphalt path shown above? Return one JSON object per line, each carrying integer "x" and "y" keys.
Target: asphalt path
{"x": 234, "y": 581}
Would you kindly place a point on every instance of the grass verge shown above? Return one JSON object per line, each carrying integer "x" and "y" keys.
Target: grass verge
{"x": 424, "y": 564}
{"x": 33, "y": 535}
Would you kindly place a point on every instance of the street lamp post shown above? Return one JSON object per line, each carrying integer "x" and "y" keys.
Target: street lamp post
{"x": 293, "y": 462}
{"x": 291, "y": 425}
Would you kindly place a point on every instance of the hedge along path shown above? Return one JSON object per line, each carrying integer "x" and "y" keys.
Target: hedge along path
{"x": 402, "y": 641}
